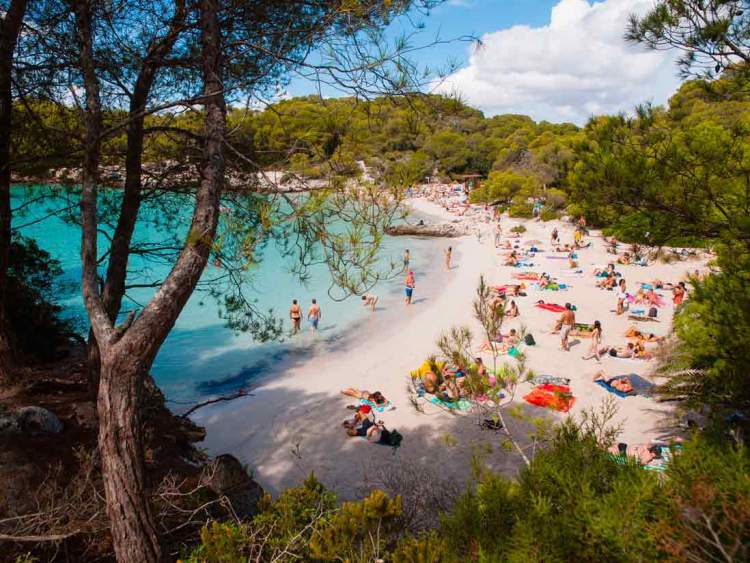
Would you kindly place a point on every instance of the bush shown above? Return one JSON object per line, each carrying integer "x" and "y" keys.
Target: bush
{"x": 548, "y": 214}
{"x": 518, "y": 229}
{"x": 37, "y": 328}
{"x": 521, "y": 210}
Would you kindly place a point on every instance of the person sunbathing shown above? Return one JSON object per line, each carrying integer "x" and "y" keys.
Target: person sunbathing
{"x": 640, "y": 297}
{"x": 652, "y": 298}
{"x": 625, "y": 259}
{"x": 612, "y": 246}
{"x": 359, "y": 425}
{"x": 572, "y": 264}
{"x": 623, "y": 351}
{"x": 644, "y": 454}
{"x": 512, "y": 259}
{"x": 633, "y": 332}
{"x": 376, "y": 398}
{"x": 507, "y": 245}
{"x": 622, "y": 384}
{"x": 640, "y": 352}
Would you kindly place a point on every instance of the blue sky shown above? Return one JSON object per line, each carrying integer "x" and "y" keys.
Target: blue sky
{"x": 557, "y": 60}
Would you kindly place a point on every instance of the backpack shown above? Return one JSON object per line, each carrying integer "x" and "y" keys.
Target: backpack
{"x": 529, "y": 340}
{"x": 391, "y": 438}
{"x": 653, "y": 312}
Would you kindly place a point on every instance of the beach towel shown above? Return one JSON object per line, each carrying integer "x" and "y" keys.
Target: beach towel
{"x": 460, "y": 405}
{"x": 556, "y": 257}
{"x": 528, "y": 276}
{"x": 640, "y": 386}
{"x": 542, "y": 379}
{"x": 642, "y": 319}
{"x": 636, "y": 360}
{"x": 552, "y": 307}
{"x": 548, "y": 395}
{"x": 388, "y": 406}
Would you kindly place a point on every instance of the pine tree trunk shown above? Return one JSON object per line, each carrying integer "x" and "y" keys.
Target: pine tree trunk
{"x": 10, "y": 27}
{"x": 120, "y": 390}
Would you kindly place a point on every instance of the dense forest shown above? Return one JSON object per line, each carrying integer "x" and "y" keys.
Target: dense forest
{"x": 159, "y": 109}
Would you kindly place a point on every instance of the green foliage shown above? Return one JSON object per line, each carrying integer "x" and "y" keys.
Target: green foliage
{"x": 358, "y": 531}
{"x": 548, "y": 214}
{"x": 505, "y": 186}
{"x": 709, "y": 328}
{"x": 33, "y": 284}
{"x": 521, "y": 210}
{"x": 223, "y": 542}
{"x": 520, "y": 229}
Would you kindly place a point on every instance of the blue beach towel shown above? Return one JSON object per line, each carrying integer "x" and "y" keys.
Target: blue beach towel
{"x": 388, "y": 406}
{"x": 460, "y": 405}
{"x": 640, "y": 386}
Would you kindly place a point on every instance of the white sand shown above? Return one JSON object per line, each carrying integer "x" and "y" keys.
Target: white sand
{"x": 292, "y": 424}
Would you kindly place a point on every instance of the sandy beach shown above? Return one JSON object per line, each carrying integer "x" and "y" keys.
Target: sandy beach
{"x": 291, "y": 425}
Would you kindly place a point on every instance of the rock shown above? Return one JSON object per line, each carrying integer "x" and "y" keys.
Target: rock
{"x": 230, "y": 479}
{"x": 9, "y": 426}
{"x": 85, "y": 414}
{"x": 443, "y": 230}
{"x": 38, "y": 419}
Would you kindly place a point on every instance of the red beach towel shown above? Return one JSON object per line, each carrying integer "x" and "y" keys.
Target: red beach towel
{"x": 554, "y": 307}
{"x": 530, "y": 276}
{"x": 557, "y": 397}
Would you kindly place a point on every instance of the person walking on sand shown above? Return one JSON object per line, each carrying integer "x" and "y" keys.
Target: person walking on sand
{"x": 567, "y": 322}
{"x": 295, "y": 313}
{"x": 407, "y": 259}
{"x": 498, "y": 234}
{"x": 596, "y": 342}
{"x": 313, "y": 315}
{"x": 448, "y": 256}
{"x": 410, "y": 285}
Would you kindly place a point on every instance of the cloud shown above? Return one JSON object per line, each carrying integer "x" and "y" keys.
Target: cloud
{"x": 576, "y": 66}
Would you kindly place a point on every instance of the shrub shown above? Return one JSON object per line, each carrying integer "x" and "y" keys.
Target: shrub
{"x": 548, "y": 214}
{"x": 521, "y": 210}
{"x": 518, "y": 229}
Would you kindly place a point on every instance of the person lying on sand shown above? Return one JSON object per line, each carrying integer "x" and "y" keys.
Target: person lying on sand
{"x": 376, "y": 397}
{"x": 643, "y": 453}
{"x": 612, "y": 246}
{"x": 625, "y": 259}
{"x": 362, "y": 420}
{"x": 622, "y": 351}
{"x": 622, "y": 384}
{"x": 512, "y": 260}
{"x": 633, "y": 332}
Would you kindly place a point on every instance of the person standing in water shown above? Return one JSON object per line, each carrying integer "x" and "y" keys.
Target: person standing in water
{"x": 313, "y": 315}
{"x": 370, "y": 301}
{"x": 448, "y": 256}
{"x": 410, "y": 285}
{"x": 295, "y": 313}
{"x": 407, "y": 259}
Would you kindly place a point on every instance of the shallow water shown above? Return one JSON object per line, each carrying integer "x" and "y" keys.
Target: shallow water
{"x": 202, "y": 357}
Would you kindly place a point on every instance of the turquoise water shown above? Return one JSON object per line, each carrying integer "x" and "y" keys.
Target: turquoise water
{"x": 202, "y": 357}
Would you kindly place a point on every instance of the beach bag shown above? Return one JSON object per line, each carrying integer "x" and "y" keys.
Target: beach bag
{"x": 652, "y": 312}
{"x": 391, "y": 438}
{"x": 529, "y": 340}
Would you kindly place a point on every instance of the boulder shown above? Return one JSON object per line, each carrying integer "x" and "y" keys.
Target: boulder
{"x": 439, "y": 230}
{"x": 9, "y": 425}
{"x": 230, "y": 479}
{"x": 37, "y": 419}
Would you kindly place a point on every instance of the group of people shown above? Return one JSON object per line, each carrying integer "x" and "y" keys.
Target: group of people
{"x": 313, "y": 316}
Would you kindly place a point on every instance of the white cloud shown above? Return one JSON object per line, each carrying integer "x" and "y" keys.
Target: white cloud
{"x": 576, "y": 66}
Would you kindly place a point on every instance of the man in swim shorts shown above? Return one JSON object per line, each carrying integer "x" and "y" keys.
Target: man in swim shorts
{"x": 409, "y": 287}
{"x": 568, "y": 321}
{"x": 407, "y": 259}
{"x": 313, "y": 315}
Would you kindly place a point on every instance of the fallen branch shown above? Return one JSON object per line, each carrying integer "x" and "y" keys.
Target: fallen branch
{"x": 237, "y": 395}
{"x": 35, "y": 539}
